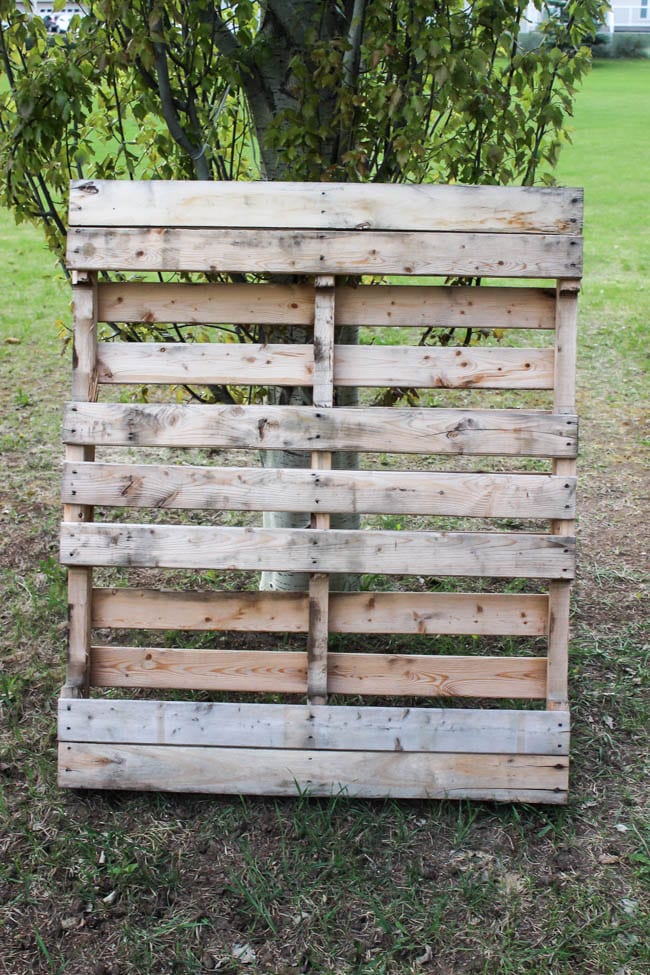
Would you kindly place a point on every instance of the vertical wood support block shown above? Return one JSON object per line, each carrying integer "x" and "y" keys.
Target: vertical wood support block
{"x": 566, "y": 321}
{"x": 84, "y": 389}
{"x": 323, "y": 393}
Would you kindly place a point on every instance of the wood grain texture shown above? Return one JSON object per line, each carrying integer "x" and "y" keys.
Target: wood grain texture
{"x": 281, "y": 489}
{"x": 80, "y": 580}
{"x": 426, "y": 729}
{"x": 348, "y": 206}
{"x": 417, "y": 306}
{"x": 391, "y": 430}
{"x": 79, "y": 626}
{"x": 498, "y": 555}
{"x": 325, "y": 252}
{"x": 276, "y": 671}
{"x": 293, "y": 365}
{"x": 432, "y": 367}
{"x": 350, "y": 612}
{"x": 205, "y": 362}
{"x": 168, "y": 768}
{"x": 234, "y": 304}
{"x": 271, "y": 612}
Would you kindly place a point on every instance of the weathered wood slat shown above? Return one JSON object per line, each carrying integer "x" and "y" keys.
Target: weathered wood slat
{"x": 234, "y": 304}
{"x": 431, "y": 367}
{"x": 498, "y": 554}
{"x": 564, "y": 398}
{"x": 325, "y": 205}
{"x": 277, "y": 671}
{"x": 418, "y": 306}
{"x": 293, "y": 365}
{"x": 321, "y": 460}
{"x": 202, "y": 362}
{"x": 325, "y": 252}
{"x": 302, "y": 726}
{"x": 431, "y": 431}
{"x": 84, "y": 388}
{"x": 272, "y": 612}
{"x": 351, "y": 612}
{"x": 438, "y": 613}
{"x": 281, "y": 489}
{"x": 169, "y": 768}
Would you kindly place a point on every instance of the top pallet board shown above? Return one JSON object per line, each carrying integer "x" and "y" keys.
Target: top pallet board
{"x": 327, "y": 206}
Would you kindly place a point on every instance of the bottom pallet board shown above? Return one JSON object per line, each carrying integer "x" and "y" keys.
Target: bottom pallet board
{"x": 282, "y": 772}
{"x": 302, "y": 726}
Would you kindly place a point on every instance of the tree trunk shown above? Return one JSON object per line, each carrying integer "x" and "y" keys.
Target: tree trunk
{"x": 270, "y": 90}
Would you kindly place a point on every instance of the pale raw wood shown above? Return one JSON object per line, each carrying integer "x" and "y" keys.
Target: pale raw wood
{"x": 234, "y": 304}
{"x": 349, "y": 612}
{"x": 349, "y": 206}
{"x": 323, "y": 349}
{"x": 281, "y": 489}
{"x": 272, "y": 612}
{"x": 437, "y": 676}
{"x": 417, "y": 306}
{"x": 319, "y": 583}
{"x": 566, "y": 327}
{"x": 203, "y": 362}
{"x": 277, "y": 671}
{"x": 293, "y": 365}
{"x": 325, "y": 252}
{"x": 424, "y": 729}
{"x": 446, "y": 368}
{"x": 318, "y": 631}
{"x": 433, "y": 613}
{"x": 84, "y": 341}
{"x": 84, "y": 387}
{"x": 499, "y": 555}
{"x": 274, "y": 671}
{"x": 425, "y": 306}
{"x": 396, "y": 430}
{"x": 279, "y": 772}
{"x": 79, "y": 623}
{"x": 559, "y": 598}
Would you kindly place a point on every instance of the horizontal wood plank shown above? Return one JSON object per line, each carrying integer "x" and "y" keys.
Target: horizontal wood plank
{"x": 280, "y": 489}
{"x": 162, "y": 203}
{"x": 276, "y": 772}
{"x": 424, "y": 613}
{"x": 300, "y": 726}
{"x": 204, "y": 304}
{"x": 165, "y": 609}
{"x": 293, "y": 365}
{"x": 325, "y": 252}
{"x": 206, "y": 362}
{"x": 277, "y": 671}
{"x": 390, "y": 430}
{"x": 417, "y": 306}
{"x": 350, "y": 612}
{"x": 433, "y": 367}
{"x": 497, "y": 555}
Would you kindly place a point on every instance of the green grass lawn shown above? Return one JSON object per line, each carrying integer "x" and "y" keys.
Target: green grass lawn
{"x": 609, "y": 157}
{"x": 150, "y": 884}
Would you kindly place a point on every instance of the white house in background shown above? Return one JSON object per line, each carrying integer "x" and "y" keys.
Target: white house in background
{"x": 42, "y": 7}
{"x": 624, "y": 15}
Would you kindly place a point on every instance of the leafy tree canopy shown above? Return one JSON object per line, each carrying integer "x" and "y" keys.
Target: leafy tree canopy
{"x": 360, "y": 90}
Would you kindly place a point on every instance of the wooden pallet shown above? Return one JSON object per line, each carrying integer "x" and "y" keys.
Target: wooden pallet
{"x": 324, "y": 234}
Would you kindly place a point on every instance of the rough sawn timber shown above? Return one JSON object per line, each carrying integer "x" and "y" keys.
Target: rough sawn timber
{"x": 516, "y": 463}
